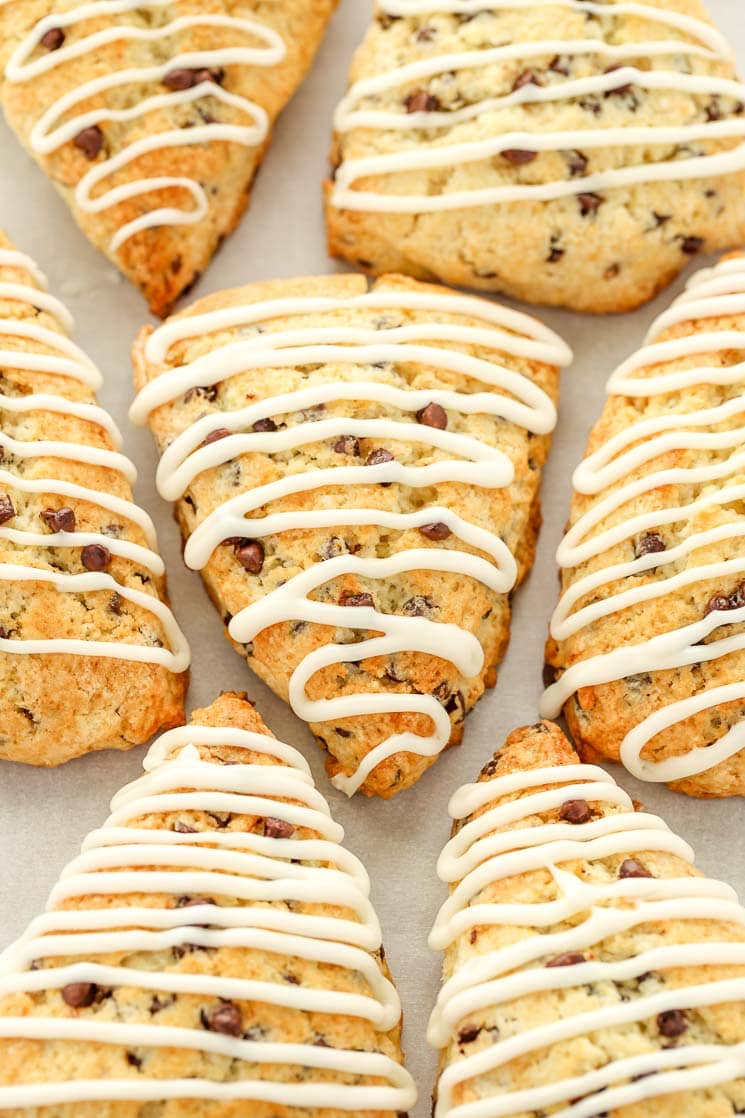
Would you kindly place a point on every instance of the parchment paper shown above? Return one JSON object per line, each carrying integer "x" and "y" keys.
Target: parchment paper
{"x": 45, "y": 814}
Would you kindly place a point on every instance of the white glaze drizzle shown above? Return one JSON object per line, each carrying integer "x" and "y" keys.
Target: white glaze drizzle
{"x": 427, "y": 151}
{"x": 117, "y": 859}
{"x": 176, "y": 658}
{"x": 498, "y": 844}
{"x": 719, "y": 291}
{"x": 65, "y": 118}
{"x": 468, "y": 460}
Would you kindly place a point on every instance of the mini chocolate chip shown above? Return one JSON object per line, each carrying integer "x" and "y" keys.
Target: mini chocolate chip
{"x": 53, "y": 38}
{"x": 527, "y": 77}
{"x": 420, "y": 101}
{"x": 184, "y": 828}
{"x": 95, "y": 557}
{"x": 89, "y": 141}
{"x": 648, "y": 544}
{"x": 378, "y": 457}
{"x": 418, "y": 606}
{"x": 215, "y": 436}
{"x": 723, "y": 602}
{"x": 577, "y": 163}
{"x": 619, "y": 89}
{"x": 263, "y": 425}
{"x": 192, "y": 902}
{"x": 589, "y": 203}
{"x": 568, "y": 959}
{"x": 4, "y": 634}
{"x": 468, "y": 1034}
{"x": 575, "y": 811}
{"x": 631, "y": 867}
{"x": 79, "y": 995}
{"x": 348, "y": 444}
{"x": 184, "y": 78}
{"x": 363, "y": 599}
{"x": 134, "y": 1060}
{"x": 278, "y": 828}
{"x": 518, "y": 156}
{"x": 115, "y": 604}
{"x": 437, "y": 531}
{"x": 691, "y": 245}
{"x": 225, "y": 1019}
{"x": 672, "y": 1023}
{"x": 59, "y": 520}
{"x": 560, "y": 65}
{"x": 250, "y": 555}
{"x": 7, "y": 509}
{"x": 433, "y": 416}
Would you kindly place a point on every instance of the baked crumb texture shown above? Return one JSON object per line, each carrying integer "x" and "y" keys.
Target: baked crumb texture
{"x": 211, "y": 953}
{"x": 91, "y": 656}
{"x": 151, "y": 117}
{"x": 590, "y": 969}
{"x": 574, "y": 153}
{"x": 356, "y": 476}
{"x": 648, "y": 640}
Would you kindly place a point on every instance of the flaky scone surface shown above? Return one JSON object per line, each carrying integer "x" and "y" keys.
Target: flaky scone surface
{"x": 362, "y": 405}
{"x": 59, "y": 704}
{"x": 585, "y": 955}
{"x": 291, "y": 929}
{"x": 489, "y": 103}
{"x": 171, "y": 106}
{"x": 654, "y": 556}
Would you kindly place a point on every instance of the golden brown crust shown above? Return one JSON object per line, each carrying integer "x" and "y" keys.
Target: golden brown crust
{"x": 164, "y": 261}
{"x": 601, "y": 716}
{"x": 57, "y": 706}
{"x": 606, "y": 250}
{"x": 510, "y": 512}
{"x": 545, "y": 746}
{"x": 25, "y": 1061}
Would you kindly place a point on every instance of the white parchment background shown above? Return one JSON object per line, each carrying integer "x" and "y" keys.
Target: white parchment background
{"x": 45, "y": 814}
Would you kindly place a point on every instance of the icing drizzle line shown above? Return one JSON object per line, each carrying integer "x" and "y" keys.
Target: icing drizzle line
{"x": 120, "y": 858}
{"x": 428, "y": 151}
{"x": 495, "y": 846}
{"x": 710, "y": 293}
{"x": 76, "y": 365}
{"x": 468, "y": 460}
{"x": 64, "y": 119}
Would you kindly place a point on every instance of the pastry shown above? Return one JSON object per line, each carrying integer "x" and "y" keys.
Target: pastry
{"x": 151, "y": 117}
{"x": 574, "y": 153}
{"x": 648, "y": 640}
{"x": 591, "y": 971}
{"x": 91, "y": 656}
{"x": 211, "y": 953}
{"x": 356, "y": 476}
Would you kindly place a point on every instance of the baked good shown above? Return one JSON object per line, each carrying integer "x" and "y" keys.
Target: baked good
{"x": 648, "y": 640}
{"x": 356, "y": 476}
{"x": 590, "y": 969}
{"x": 211, "y": 953}
{"x": 574, "y": 153}
{"x": 151, "y": 117}
{"x": 91, "y": 656}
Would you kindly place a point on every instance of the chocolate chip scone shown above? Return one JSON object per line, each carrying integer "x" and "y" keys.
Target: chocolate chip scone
{"x": 151, "y": 117}
{"x": 211, "y": 953}
{"x": 590, "y": 969}
{"x": 571, "y": 152}
{"x": 356, "y": 475}
{"x": 648, "y": 640}
{"x": 91, "y": 656}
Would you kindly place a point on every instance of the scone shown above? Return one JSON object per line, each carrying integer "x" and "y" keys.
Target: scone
{"x": 591, "y": 971}
{"x": 151, "y": 117}
{"x": 648, "y": 640}
{"x": 211, "y": 953}
{"x": 91, "y": 656}
{"x": 572, "y": 153}
{"x": 356, "y": 475}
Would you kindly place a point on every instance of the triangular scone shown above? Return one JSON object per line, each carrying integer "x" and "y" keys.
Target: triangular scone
{"x": 151, "y": 117}
{"x": 590, "y": 970}
{"x": 91, "y": 656}
{"x": 648, "y": 639}
{"x": 212, "y": 952}
{"x": 570, "y": 153}
{"x": 356, "y": 475}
